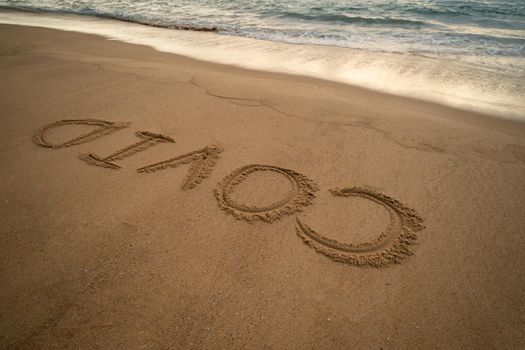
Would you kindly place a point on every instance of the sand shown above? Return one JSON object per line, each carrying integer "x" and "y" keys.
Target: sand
{"x": 154, "y": 201}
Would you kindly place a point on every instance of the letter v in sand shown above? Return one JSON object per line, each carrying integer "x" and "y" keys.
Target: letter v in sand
{"x": 203, "y": 161}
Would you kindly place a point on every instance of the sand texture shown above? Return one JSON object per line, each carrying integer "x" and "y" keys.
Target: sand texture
{"x": 151, "y": 201}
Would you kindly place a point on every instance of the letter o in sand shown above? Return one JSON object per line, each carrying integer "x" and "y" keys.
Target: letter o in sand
{"x": 301, "y": 195}
{"x": 390, "y": 247}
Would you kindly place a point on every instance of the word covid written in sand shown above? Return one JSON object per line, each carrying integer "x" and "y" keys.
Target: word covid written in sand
{"x": 390, "y": 247}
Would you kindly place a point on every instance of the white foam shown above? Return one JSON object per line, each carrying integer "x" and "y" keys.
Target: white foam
{"x": 468, "y": 86}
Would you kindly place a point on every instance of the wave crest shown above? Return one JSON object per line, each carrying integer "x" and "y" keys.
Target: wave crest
{"x": 385, "y": 21}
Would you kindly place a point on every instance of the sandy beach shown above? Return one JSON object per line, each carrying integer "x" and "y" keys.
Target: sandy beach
{"x": 153, "y": 201}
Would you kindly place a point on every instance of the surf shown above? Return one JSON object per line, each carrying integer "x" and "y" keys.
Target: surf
{"x": 466, "y": 84}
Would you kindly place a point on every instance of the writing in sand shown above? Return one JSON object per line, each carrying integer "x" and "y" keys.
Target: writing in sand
{"x": 390, "y": 247}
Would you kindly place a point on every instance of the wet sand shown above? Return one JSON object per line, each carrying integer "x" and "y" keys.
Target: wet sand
{"x": 154, "y": 201}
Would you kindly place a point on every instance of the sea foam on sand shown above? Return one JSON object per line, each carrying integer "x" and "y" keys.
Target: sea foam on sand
{"x": 468, "y": 86}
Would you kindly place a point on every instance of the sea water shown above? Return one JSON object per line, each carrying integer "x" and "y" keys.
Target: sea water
{"x": 469, "y": 54}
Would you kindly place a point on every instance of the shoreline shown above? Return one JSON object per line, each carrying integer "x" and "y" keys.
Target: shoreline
{"x": 270, "y": 56}
{"x": 151, "y": 200}
{"x": 507, "y": 125}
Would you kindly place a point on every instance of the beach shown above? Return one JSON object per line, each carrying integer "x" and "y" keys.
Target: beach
{"x": 151, "y": 200}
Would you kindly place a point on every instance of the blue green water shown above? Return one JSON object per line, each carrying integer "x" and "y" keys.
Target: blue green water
{"x": 433, "y": 28}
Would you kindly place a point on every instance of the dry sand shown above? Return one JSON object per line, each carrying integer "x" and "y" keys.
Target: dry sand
{"x": 221, "y": 208}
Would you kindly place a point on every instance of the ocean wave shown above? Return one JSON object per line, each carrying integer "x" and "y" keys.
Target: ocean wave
{"x": 196, "y": 28}
{"x": 387, "y": 21}
{"x": 434, "y": 30}
{"x": 88, "y": 11}
{"x": 465, "y": 10}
